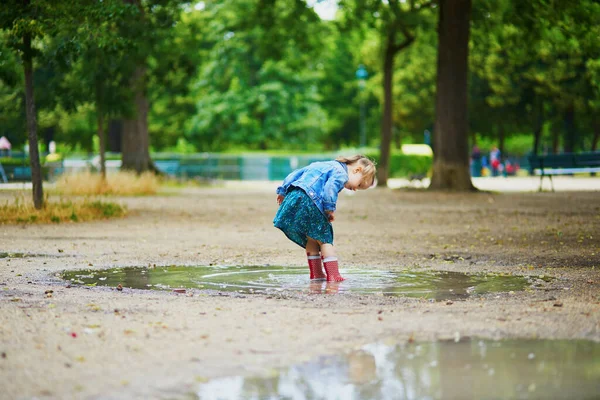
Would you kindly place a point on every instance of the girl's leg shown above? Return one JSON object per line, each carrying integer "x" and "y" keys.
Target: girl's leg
{"x": 331, "y": 263}
{"x": 314, "y": 259}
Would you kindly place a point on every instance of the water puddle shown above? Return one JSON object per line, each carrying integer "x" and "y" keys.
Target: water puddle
{"x": 474, "y": 369}
{"x": 270, "y": 279}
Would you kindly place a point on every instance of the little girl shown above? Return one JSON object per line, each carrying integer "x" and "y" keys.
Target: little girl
{"x": 307, "y": 200}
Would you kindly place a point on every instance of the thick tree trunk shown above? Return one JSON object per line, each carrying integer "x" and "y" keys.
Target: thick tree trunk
{"x": 451, "y": 157}
{"x": 135, "y": 143}
{"x": 115, "y": 127}
{"x": 386, "y": 123}
{"x": 135, "y": 139}
{"x": 34, "y": 156}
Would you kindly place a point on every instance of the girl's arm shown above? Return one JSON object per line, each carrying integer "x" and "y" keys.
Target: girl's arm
{"x": 281, "y": 190}
{"x": 332, "y": 187}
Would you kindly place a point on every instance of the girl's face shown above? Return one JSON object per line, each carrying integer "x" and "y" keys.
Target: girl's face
{"x": 356, "y": 179}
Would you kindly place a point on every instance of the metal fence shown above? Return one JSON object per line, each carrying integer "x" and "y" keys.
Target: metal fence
{"x": 204, "y": 166}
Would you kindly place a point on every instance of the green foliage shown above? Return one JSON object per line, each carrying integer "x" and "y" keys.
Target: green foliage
{"x": 260, "y": 86}
{"x": 518, "y": 144}
{"x": 404, "y": 165}
{"x": 270, "y": 75}
{"x": 108, "y": 209}
{"x": 182, "y": 147}
{"x": 6, "y": 161}
{"x": 415, "y": 81}
{"x": 531, "y": 65}
{"x": 12, "y": 114}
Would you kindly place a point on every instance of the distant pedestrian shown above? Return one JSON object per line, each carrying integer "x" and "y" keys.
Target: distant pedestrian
{"x": 307, "y": 202}
{"x": 476, "y": 164}
{"x": 5, "y": 147}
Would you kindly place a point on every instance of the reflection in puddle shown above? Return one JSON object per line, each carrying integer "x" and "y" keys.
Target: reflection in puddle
{"x": 477, "y": 369}
{"x": 436, "y": 285}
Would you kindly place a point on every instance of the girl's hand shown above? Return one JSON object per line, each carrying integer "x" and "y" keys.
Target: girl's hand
{"x": 330, "y": 216}
{"x": 279, "y": 199}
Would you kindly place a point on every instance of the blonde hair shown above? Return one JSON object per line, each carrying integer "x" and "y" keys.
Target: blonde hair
{"x": 366, "y": 163}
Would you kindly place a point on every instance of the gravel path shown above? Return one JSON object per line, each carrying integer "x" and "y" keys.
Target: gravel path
{"x": 93, "y": 342}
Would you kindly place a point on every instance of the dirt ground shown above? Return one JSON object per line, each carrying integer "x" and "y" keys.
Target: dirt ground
{"x": 92, "y": 342}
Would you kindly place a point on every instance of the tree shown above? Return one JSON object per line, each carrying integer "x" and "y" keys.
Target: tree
{"x": 258, "y": 86}
{"x": 145, "y": 27}
{"x": 396, "y": 21}
{"x": 548, "y": 82}
{"x": 12, "y": 116}
{"x": 136, "y": 140}
{"x": 451, "y": 153}
{"x": 25, "y": 21}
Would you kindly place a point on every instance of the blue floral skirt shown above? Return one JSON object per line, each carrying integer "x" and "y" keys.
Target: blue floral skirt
{"x": 299, "y": 218}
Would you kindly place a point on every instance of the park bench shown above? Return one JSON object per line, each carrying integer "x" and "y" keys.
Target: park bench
{"x": 563, "y": 164}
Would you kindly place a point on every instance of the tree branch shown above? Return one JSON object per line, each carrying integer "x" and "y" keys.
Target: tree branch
{"x": 395, "y": 7}
{"x": 400, "y": 46}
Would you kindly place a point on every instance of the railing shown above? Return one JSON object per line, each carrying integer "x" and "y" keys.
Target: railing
{"x": 204, "y": 166}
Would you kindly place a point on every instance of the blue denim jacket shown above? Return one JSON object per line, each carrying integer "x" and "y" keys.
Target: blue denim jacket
{"x": 322, "y": 181}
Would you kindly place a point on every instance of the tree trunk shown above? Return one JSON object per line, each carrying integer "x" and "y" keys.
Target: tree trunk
{"x": 501, "y": 138}
{"x": 135, "y": 139}
{"x": 570, "y": 130}
{"x": 555, "y": 139}
{"x": 102, "y": 142}
{"x": 115, "y": 127}
{"x": 34, "y": 156}
{"x": 537, "y": 130}
{"x": 451, "y": 157}
{"x": 386, "y": 123}
{"x": 48, "y": 136}
{"x": 596, "y": 127}
{"x": 397, "y": 138}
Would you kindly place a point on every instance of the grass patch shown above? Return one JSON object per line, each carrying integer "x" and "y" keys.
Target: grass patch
{"x": 23, "y": 212}
{"x": 123, "y": 183}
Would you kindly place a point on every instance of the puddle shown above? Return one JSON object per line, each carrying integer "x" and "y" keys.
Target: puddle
{"x": 476, "y": 369}
{"x": 270, "y": 279}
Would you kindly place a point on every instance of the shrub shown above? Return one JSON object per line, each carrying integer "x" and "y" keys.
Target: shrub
{"x": 21, "y": 211}
{"x": 123, "y": 183}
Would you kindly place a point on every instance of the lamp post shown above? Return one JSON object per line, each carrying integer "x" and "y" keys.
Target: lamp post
{"x": 361, "y": 75}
